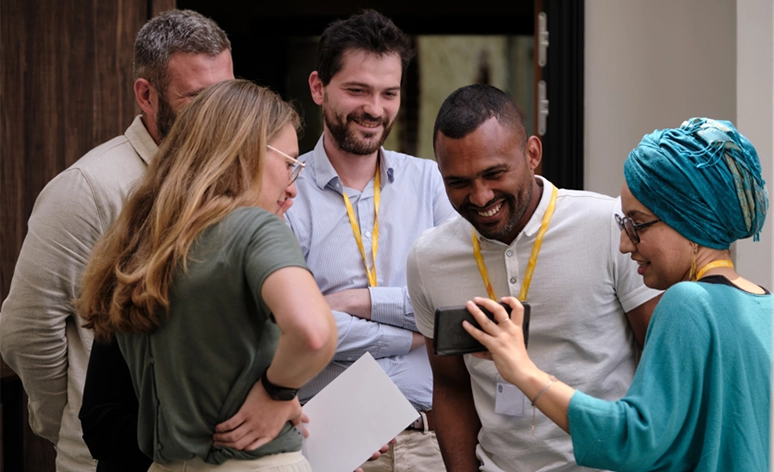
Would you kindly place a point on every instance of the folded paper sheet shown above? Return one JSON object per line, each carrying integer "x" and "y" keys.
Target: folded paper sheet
{"x": 354, "y": 416}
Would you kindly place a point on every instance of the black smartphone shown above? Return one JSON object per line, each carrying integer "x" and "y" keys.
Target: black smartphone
{"x": 450, "y": 338}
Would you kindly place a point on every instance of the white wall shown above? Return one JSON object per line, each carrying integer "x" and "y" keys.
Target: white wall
{"x": 755, "y": 109}
{"x": 652, "y": 64}
{"x": 755, "y": 119}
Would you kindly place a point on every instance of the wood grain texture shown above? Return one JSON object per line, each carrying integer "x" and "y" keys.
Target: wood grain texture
{"x": 65, "y": 87}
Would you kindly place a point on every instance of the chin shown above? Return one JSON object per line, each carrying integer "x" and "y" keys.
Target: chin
{"x": 656, "y": 283}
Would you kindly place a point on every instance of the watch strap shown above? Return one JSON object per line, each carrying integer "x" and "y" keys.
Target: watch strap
{"x": 277, "y": 392}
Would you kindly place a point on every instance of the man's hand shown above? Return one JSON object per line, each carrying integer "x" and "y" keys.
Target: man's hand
{"x": 355, "y": 301}
{"x": 258, "y": 421}
{"x": 378, "y": 453}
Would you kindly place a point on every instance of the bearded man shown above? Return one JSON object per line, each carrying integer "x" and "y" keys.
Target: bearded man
{"x": 359, "y": 209}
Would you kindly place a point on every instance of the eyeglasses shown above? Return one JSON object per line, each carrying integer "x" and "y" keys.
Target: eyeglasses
{"x": 632, "y": 229}
{"x": 298, "y": 166}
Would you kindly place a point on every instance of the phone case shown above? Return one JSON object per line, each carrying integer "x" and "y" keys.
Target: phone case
{"x": 450, "y": 338}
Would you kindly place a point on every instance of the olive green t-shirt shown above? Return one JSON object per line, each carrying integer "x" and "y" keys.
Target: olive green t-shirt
{"x": 196, "y": 369}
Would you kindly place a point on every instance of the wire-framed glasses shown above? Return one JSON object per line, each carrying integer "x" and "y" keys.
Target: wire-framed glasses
{"x": 297, "y": 167}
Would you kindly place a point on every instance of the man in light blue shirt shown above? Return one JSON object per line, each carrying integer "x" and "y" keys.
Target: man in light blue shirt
{"x": 358, "y": 211}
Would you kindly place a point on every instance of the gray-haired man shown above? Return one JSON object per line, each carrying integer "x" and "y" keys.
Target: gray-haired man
{"x": 177, "y": 54}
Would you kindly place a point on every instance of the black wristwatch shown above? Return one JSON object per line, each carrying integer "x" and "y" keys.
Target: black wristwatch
{"x": 281, "y": 394}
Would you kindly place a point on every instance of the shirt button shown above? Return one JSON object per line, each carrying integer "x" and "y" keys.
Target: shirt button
{"x": 368, "y": 234}
{"x": 513, "y": 280}
{"x": 150, "y": 360}
{"x": 509, "y": 253}
{"x": 158, "y": 446}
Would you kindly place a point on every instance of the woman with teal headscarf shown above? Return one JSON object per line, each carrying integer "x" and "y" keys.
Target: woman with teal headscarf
{"x": 700, "y": 397}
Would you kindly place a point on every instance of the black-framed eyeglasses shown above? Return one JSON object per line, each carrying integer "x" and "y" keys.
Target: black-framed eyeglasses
{"x": 632, "y": 229}
{"x": 297, "y": 166}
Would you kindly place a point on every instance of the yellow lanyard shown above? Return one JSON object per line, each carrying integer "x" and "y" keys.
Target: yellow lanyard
{"x": 712, "y": 265}
{"x": 375, "y": 233}
{"x": 532, "y": 257}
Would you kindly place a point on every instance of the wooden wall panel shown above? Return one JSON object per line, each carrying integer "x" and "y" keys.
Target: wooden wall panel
{"x": 65, "y": 87}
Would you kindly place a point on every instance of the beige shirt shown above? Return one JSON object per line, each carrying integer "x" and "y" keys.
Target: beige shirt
{"x": 581, "y": 288}
{"x": 41, "y": 337}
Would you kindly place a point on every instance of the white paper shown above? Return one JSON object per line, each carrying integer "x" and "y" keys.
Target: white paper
{"x": 353, "y": 417}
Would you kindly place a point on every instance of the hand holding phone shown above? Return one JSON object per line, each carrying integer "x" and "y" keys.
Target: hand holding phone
{"x": 450, "y": 338}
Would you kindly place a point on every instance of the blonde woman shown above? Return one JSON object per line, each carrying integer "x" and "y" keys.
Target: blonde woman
{"x": 207, "y": 291}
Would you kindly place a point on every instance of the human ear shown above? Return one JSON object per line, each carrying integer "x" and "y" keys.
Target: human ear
{"x": 534, "y": 151}
{"x": 316, "y": 87}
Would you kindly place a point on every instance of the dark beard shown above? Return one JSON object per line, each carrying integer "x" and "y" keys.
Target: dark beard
{"x": 165, "y": 117}
{"x": 347, "y": 140}
{"x": 505, "y": 228}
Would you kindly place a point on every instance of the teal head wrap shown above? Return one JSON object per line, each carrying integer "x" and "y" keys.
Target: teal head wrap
{"x": 703, "y": 179}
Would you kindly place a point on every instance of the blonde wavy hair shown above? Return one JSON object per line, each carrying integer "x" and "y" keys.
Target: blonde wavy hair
{"x": 210, "y": 163}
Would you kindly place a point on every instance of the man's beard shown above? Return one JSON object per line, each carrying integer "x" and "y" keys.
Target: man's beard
{"x": 165, "y": 117}
{"x": 347, "y": 139}
{"x": 516, "y": 210}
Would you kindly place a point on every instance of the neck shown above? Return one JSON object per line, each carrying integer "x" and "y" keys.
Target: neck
{"x": 707, "y": 256}
{"x": 355, "y": 171}
{"x": 151, "y": 128}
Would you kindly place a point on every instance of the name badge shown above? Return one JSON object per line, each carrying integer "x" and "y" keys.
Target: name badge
{"x": 509, "y": 400}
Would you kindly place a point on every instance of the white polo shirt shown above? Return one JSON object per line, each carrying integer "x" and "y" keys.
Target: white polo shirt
{"x": 581, "y": 289}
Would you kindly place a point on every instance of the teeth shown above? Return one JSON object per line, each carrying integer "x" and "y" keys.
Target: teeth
{"x": 491, "y": 212}
{"x": 368, "y": 125}
{"x": 642, "y": 263}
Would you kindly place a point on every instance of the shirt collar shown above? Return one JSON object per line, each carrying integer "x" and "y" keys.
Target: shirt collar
{"x": 326, "y": 176}
{"x": 141, "y": 140}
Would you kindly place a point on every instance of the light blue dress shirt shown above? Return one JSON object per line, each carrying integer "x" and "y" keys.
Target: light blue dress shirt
{"x": 413, "y": 199}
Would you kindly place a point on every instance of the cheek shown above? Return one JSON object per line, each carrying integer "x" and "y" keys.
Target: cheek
{"x": 456, "y": 196}
{"x": 392, "y": 108}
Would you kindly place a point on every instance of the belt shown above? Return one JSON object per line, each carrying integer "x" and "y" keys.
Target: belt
{"x": 424, "y": 422}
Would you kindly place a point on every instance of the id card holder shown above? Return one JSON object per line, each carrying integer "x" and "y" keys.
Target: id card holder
{"x": 509, "y": 400}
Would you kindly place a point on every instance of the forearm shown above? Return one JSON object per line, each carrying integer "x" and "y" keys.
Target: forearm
{"x": 384, "y": 305}
{"x": 553, "y": 396}
{"x": 33, "y": 324}
{"x": 392, "y": 306}
{"x": 296, "y": 360}
{"x": 357, "y": 336}
{"x": 308, "y": 331}
{"x": 34, "y": 344}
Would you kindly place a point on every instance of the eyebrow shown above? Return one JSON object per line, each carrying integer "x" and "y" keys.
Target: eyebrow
{"x": 366, "y": 86}
{"x": 493, "y": 168}
{"x": 641, "y": 214}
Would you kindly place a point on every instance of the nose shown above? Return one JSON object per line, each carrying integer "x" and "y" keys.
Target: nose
{"x": 374, "y": 106}
{"x": 625, "y": 244}
{"x": 290, "y": 190}
{"x": 481, "y": 194}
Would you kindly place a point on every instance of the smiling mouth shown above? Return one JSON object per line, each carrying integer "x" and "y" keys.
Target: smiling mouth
{"x": 492, "y": 212}
{"x": 369, "y": 124}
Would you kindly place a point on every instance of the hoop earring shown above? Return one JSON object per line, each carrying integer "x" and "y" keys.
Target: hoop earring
{"x": 692, "y": 273}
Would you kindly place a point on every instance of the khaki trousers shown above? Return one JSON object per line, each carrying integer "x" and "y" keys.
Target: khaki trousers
{"x": 285, "y": 462}
{"x": 413, "y": 451}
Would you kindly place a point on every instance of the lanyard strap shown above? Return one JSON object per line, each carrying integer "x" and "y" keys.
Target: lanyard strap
{"x": 371, "y": 273}
{"x": 532, "y": 257}
{"x": 712, "y": 265}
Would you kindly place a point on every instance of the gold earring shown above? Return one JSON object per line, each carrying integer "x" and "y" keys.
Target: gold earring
{"x": 692, "y": 274}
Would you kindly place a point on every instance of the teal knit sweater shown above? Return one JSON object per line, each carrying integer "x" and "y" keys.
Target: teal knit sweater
{"x": 700, "y": 396}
